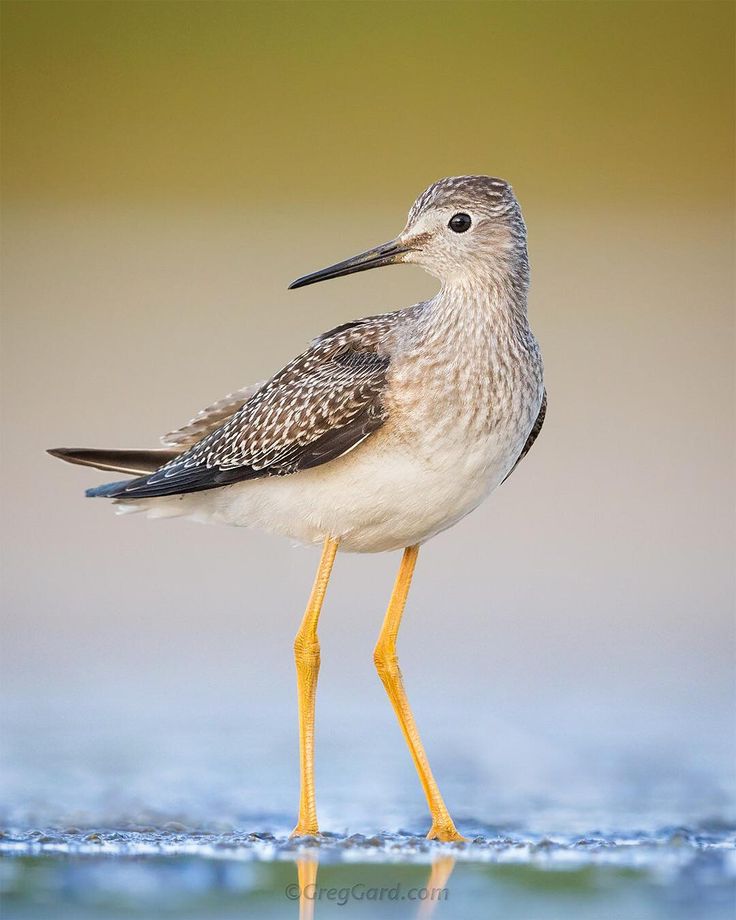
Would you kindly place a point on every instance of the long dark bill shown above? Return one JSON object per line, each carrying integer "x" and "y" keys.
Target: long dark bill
{"x": 387, "y": 254}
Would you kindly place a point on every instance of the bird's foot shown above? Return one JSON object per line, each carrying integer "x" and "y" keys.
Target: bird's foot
{"x": 305, "y": 829}
{"x": 446, "y": 832}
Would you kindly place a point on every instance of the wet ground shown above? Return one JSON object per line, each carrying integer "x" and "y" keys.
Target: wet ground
{"x": 177, "y": 871}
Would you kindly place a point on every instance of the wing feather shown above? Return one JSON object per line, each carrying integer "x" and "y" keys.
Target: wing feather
{"x": 322, "y": 404}
{"x": 210, "y": 418}
{"x": 533, "y": 435}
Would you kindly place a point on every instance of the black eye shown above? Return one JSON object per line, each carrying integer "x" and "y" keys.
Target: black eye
{"x": 460, "y": 222}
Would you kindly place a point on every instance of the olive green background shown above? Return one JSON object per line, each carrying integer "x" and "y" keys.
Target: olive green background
{"x": 167, "y": 169}
{"x": 334, "y": 104}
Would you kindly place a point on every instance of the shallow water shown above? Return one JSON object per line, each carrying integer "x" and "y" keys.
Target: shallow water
{"x": 189, "y": 872}
{"x": 151, "y": 813}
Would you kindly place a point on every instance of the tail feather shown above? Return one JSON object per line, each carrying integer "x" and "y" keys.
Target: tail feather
{"x": 133, "y": 462}
{"x": 109, "y": 490}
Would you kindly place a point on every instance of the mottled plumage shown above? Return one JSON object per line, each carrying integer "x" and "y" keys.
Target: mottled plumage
{"x": 387, "y": 429}
{"x": 209, "y": 418}
{"x": 322, "y": 404}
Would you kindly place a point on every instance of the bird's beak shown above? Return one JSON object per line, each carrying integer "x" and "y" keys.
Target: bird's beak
{"x": 387, "y": 254}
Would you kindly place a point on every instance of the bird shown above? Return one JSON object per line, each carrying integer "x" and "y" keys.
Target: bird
{"x": 384, "y": 432}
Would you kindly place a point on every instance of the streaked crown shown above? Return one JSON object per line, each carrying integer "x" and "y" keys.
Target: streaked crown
{"x": 492, "y": 195}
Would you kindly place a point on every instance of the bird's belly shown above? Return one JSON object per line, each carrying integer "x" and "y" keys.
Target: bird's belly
{"x": 386, "y": 494}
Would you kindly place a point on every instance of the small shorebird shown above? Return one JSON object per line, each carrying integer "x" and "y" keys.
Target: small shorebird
{"x": 384, "y": 432}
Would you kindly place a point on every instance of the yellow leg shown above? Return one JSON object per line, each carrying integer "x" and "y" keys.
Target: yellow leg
{"x": 306, "y": 653}
{"x": 387, "y": 665}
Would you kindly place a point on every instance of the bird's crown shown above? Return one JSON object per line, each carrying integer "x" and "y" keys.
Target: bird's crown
{"x": 495, "y": 196}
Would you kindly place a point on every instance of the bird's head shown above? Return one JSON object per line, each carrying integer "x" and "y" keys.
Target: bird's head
{"x": 460, "y": 227}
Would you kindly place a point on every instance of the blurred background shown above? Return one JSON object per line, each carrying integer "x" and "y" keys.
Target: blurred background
{"x": 168, "y": 169}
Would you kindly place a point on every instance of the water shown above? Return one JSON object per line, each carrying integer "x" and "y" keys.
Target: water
{"x": 154, "y": 818}
{"x": 187, "y": 872}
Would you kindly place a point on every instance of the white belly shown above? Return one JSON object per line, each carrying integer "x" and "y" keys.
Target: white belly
{"x": 384, "y": 495}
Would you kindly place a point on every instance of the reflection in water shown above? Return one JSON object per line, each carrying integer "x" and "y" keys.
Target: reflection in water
{"x": 427, "y": 899}
{"x": 439, "y": 875}
{"x": 306, "y": 871}
{"x": 74, "y": 874}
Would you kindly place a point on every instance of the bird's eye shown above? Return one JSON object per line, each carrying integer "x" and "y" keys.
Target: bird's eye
{"x": 460, "y": 222}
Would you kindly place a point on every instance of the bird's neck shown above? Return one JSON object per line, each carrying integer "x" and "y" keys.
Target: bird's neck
{"x": 471, "y": 348}
{"x": 479, "y": 312}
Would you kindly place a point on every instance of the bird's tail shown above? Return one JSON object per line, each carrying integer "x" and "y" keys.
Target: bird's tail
{"x": 134, "y": 462}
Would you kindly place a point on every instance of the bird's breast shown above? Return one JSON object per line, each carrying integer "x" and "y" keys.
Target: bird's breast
{"x": 468, "y": 416}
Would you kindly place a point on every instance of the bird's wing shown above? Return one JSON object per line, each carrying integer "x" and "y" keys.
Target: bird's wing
{"x": 321, "y": 405}
{"x": 210, "y": 418}
{"x": 533, "y": 435}
{"x": 144, "y": 462}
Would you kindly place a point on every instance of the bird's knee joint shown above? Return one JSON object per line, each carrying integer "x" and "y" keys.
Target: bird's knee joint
{"x": 386, "y": 660}
{"x": 306, "y": 650}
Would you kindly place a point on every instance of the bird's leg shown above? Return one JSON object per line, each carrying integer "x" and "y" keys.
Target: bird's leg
{"x": 306, "y": 653}
{"x": 387, "y": 665}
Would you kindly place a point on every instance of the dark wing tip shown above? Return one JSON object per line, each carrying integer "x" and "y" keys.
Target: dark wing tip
{"x": 75, "y": 455}
{"x": 108, "y": 490}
